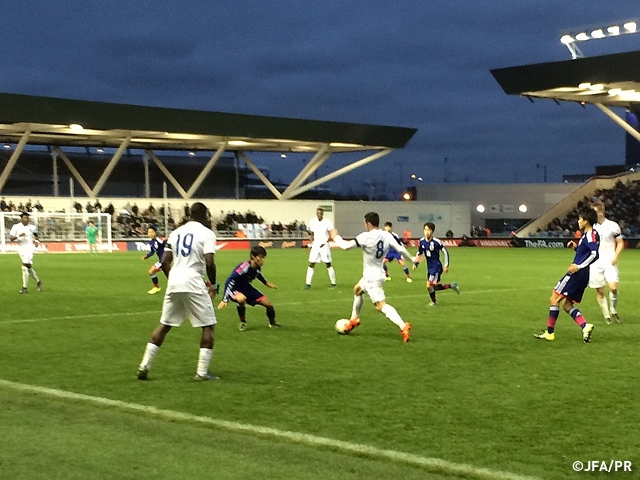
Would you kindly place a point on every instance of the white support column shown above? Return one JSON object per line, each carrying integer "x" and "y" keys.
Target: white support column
{"x": 628, "y": 128}
{"x": 236, "y": 165}
{"x": 167, "y": 174}
{"x": 56, "y": 179}
{"x": 207, "y": 168}
{"x": 73, "y": 170}
{"x": 112, "y": 164}
{"x": 342, "y": 171}
{"x": 147, "y": 185}
{"x": 261, "y": 176}
{"x": 14, "y": 159}
{"x": 318, "y": 159}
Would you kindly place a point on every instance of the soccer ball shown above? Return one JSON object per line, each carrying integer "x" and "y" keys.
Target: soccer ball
{"x": 341, "y": 326}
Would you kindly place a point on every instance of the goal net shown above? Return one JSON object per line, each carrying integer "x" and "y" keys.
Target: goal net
{"x": 59, "y": 227}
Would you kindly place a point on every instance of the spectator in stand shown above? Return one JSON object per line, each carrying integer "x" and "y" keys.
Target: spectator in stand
{"x": 187, "y": 211}
{"x": 3, "y": 205}
{"x": 78, "y": 207}
{"x": 28, "y": 207}
{"x": 97, "y": 206}
{"x": 110, "y": 209}
{"x": 89, "y": 207}
{"x": 135, "y": 210}
{"x": 38, "y": 206}
{"x": 20, "y": 207}
{"x": 406, "y": 236}
{"x": 152, "y": 210}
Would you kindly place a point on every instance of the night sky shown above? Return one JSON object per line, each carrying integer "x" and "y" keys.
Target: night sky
{"x": 415, "y": 64}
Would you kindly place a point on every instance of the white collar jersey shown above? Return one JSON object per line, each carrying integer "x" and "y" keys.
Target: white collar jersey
{"x": 29, "y": 231}
{"x": 320, "y": 229}
{"x": 375, "y": 244}
{"x": 609, "y": 231}
{"x": 189, "y": 245}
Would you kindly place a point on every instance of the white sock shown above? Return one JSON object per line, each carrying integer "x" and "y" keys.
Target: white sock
{"x": 392, "y": 314}
{"x": 613, "y": 298}
{"x": 149, "y": 354}
{"x": 204, "y": 359}
{"x": 25, "y": 277}
{"x": 332, "y": 275}
{"x": 358, "y": 301}
{"x": 33, "y": 273}
{"x": 602, "y": 301}
{"x": 309, "y": 275}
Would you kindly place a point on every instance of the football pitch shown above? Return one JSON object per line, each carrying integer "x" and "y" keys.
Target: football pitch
{"x": 473, "y": 395}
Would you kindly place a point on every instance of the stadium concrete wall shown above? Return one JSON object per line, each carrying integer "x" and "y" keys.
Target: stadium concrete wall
{"x": 454, "y": 216}
{"x": 500, "y": 200}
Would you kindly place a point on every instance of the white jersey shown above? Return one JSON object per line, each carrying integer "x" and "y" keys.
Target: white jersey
{"x": 609, "y": 232}
{"x": 189, "y": 245}
{"x": 375, "y": 244}
{"x": 26, "y": 241}
{"x": 320, "y": 230}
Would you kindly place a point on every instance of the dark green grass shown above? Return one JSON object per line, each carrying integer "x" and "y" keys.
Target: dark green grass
{"x": 473, "y": 386}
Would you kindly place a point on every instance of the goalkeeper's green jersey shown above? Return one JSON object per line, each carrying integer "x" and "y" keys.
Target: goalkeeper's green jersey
{"x": 91, "y": 234}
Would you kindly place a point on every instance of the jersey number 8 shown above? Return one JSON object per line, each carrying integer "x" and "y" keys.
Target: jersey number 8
{"x": 379, "y": 249}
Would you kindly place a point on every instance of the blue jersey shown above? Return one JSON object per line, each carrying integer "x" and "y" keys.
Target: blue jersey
{"x": 392, "y": 254}
{"x": 587, "y": 249}
{"x": 431, "y": 250}
{"x": 157, "y": 247}
{"x": 240, "y": 280}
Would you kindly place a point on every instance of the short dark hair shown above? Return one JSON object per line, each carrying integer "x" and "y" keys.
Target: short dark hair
{"x": 24, "y": 214}
{"x": 199, "y": 211}
{"x": 431, "y": 226}
{"x": 589, "y": 214}
{"x": 258, "y": 251}
{"x": 388, "y": 224}
{"x": 373, "y": 218}
{"x": 91, "y": 222}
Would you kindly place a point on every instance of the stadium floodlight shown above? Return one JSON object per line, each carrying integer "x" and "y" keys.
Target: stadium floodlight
{"x": 480, "y": 208}
{"x": 76, "y": 127}
{"x": 7, "y": 146}
{"x": 523, "y": 208}
{"x": 570, "y": 39}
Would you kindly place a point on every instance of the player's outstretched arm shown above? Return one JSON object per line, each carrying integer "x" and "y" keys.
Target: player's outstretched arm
{"x": 271, "y": 285}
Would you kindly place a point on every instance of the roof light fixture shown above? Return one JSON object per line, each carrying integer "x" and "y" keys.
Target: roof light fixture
{"x": 76, "y": 127}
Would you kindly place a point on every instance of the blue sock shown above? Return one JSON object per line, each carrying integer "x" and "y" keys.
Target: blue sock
{"x": 154, "y": 279}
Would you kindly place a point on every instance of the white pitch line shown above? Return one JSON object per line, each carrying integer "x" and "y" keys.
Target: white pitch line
{"x": 434, "y": 465}
{"x": 284, "y": 304}
{"x": 77, "y": 317}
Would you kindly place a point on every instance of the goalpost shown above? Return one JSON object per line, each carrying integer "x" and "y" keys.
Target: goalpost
{"x": 58, "y": 227}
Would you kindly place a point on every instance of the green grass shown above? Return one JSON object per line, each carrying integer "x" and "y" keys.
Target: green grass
{"x": 472, "y": 387}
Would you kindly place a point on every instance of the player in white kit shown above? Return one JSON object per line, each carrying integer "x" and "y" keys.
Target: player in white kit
{"x": 375, "y": 244}
{"x": 605, "y": 270}
{"x": 192, "y": 248}
{"x": 318, "y": 230}
{"x": 27, "y": 236}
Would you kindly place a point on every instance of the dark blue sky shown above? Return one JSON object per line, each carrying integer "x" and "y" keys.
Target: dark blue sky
{"x": 416, "y": 64}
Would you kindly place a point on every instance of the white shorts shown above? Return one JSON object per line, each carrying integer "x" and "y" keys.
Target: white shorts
{"x": 26, "y": 255}
{"x": 320, "y": 254}
{"x": 197, "y": 307}
{"x": 601, "y": 273}
{"x": 373, "y": 288}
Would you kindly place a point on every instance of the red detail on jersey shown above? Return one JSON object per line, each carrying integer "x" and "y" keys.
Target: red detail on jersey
{"x": 594, "y": 236}
{"x": 242, "y": 267}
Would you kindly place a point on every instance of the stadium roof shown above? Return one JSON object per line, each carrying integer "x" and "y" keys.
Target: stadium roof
{"x": 606, "y": 81}
{"x": 610, "y": 80}
{"x": 57, "y": 122}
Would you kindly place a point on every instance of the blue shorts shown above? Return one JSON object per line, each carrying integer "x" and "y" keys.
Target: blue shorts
{"x": 253, "y": 295}
{"x": 573, "y": 285}
{"x": 434, "y": 276}
{"x": 393, "y": 255}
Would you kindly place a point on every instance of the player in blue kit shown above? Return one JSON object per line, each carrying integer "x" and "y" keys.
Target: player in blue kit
{"x": 430, "y": 248}
{"x": 156, "y": 245}
{"x": 393, "y": 255}
{"x": 573, "y": 284}
{"x": 238, "y": 288}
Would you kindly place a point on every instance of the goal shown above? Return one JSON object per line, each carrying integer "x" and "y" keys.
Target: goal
{"x": 58, "y": 227}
